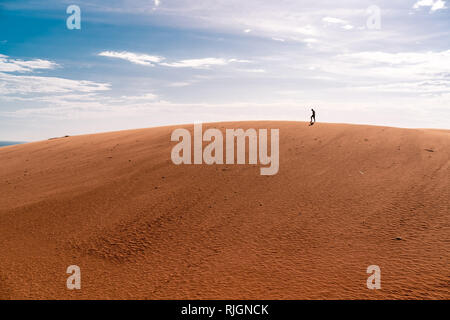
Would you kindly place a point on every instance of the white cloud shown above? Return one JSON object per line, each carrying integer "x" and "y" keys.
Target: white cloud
{"x": 12, "y": 84}
{"x": 180, "y": 84}
{"x": 114, "y": 107}
{"x": 403, "y": 72}
{"x": 334, "y": 20}
{"x": 404, "y": 66}
{"x": 433, "y": 4}
{"x": 340, "y": 22}
{"x": 417, "y": 62}
{"x": 239, "y": 60}
{"x": 141, "y": 59}
{"x": 310, "y": 40}
{"x": 202, "y": 63}
{"x": 140, "y": 98}
{"x": 197, "y": 63}
{"x": 254, "y": 70}
{"x": 425, "y": 87}
{"x": 157, "y": 3}
{"x": 247, "y": 30}
{"x": 15, "y": 65}
{"x": 149, "y": 60}
{"x": 288, "y": 21}
{"x": 439, "y": 4}
{"x": 423, "y": 3}
{"x": 306, "y": 30}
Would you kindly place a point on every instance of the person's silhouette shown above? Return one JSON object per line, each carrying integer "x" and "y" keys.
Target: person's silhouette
{"x": 313, "y": 117}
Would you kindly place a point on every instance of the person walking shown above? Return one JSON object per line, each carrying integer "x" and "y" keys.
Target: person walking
{"x": 313, "y": 117}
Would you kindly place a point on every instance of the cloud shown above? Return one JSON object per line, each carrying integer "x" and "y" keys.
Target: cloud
{"x": 149, "y": 60}
{"x": 203, "y": 63}
{"x": 141, "y": 59}
{"x": 423, "y": 3}
{"x": 310, "y": 40}
{"x": 117, "y": 108}
{"x": 403, "y": 72}
{"x": 239, "y": 60}
{"x": 157, "y": 3}
{"x": 15, "y": 65}
{"x": 430, "y": 87}
{"x": 381, "y": 67}
{"x": 343, "y": 23}
{"x": 140, "y": 98}
{"x": 83, "y": 105}
{"x": 253, "y": 70}
{"x": 306, "y": 30}
{"x": 12, "y": 84}
{"x": 417, "y": 62}
{"x": 338, "y": 22}
{"x": 180, "y": 84}
{"x": 197, "y": 63}
{"x": 433, "y": 4}
{"x": 43, "y": 92}
{"x": 439, "y": 4}
{"x": 334, "y": 20}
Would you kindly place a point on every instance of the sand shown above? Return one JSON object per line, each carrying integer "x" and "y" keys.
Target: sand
{"x": 140, "y": 227}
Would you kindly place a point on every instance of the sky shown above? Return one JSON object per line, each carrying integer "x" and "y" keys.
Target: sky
{"x": 136, "y": 64}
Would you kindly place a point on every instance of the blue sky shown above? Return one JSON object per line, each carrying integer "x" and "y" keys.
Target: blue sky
{"x": 137, "y": 64}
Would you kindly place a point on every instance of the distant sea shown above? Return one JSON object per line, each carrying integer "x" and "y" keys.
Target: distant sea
{"x": 9, "y": 143}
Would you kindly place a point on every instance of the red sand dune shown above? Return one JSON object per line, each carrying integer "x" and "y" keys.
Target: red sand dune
{"x": 141, "y": 227}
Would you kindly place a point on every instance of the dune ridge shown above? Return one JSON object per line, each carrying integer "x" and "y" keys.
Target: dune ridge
{"x": 345, "y": 197}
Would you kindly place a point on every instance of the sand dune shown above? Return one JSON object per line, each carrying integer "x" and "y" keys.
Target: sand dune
{"x": 345, "y": 197}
